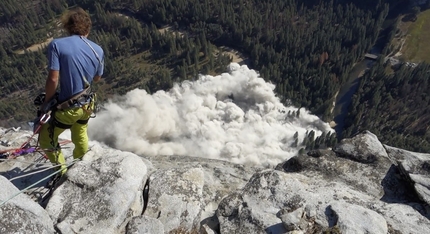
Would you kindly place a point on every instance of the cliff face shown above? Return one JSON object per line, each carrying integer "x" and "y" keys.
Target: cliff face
{"x": 359, "y": 186}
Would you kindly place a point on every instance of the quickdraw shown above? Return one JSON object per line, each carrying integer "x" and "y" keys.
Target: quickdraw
{"x": 45, "y": 118}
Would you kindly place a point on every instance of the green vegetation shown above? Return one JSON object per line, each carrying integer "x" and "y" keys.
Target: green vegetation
{"x": 417, "y": 46}
{"x": 306, "y": 49}
{"x": 332, "y": 230}
{"x": 393, "y": 106}
{"x": 183, "y": 230}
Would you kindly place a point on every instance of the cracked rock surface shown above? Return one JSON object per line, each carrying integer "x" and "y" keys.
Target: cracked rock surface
{"x": 359, "y": 186}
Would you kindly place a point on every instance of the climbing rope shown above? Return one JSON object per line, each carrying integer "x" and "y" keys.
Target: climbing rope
{"x": 27, "y": 149}
{"x": 35, "y": 172}
{"x": 24, "y": 162}
{"x": 37, "y": 182}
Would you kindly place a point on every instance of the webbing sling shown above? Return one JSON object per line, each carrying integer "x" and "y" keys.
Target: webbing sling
{"x": 94, "y": 51}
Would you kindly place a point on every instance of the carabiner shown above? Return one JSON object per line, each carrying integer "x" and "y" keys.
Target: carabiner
{"x": 45, "y": 118}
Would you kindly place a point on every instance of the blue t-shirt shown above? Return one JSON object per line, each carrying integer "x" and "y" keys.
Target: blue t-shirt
{"x": 78, "y": 60}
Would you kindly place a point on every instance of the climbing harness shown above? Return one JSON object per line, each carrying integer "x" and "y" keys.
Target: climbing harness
{"x": 35, "y": 172}
{"x": 79, "y": 99}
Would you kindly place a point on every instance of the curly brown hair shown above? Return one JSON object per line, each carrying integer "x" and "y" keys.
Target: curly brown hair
{"x": 77, "y": 22}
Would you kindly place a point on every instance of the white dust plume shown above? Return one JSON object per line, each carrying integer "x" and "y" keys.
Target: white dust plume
{"x": 234, "y": 116}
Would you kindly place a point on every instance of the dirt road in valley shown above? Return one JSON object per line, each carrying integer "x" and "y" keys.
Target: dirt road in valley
{"x": 36, "y": 47}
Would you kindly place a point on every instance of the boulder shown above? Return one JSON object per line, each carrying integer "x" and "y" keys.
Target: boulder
{"x": 353, "y": 219}
{"x": 100, "y": 194}
{"x": 405, "y": 218}
{"x": 293, "y": 220}
{"x": 361, "y": 186}
{"x": 330, "y": 167}
{"x": 21, "y": 214}
{"x": 220, "y": 179}
{"x": 254, "y": 209}
{"x": 364, "y": 147}
{"x": 176, "y": 197}
{"x": 306, "y": 194}
{"x": 415, "y": 167}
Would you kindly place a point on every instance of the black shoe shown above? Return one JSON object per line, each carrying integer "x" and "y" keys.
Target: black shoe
{"x": 53, "y": 182}
{"x": 51, "y": 186}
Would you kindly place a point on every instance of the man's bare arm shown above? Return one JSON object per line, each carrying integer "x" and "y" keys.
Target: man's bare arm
{"x": 51, "y": 85}
{"x": 97, "y": 78}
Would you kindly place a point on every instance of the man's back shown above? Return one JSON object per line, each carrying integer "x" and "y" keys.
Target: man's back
{"x": 78, "y": 60}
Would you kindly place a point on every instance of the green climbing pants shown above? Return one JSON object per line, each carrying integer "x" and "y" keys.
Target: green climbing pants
{"x": 77, "y": 119}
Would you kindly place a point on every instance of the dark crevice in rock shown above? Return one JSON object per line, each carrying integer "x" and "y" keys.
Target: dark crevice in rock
{"x": 425, "y": 168}
{"x": 292, "y": 165}
{"x": 212, "y": 222}
{"x": 79, "y": 185}
{"x": 398, "y": 188}
{"x": 276, "y": 228}
{"x": 145, "y": 195}
{"x": 315, "y": 153}
{"x": 53, "y": 184}
{"x": 365, "y": 159}
{"x": 332, "y": 217}
{"x": 56, "y": 229}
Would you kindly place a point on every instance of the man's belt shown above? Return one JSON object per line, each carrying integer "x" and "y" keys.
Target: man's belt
{"x": 76, "y": 99}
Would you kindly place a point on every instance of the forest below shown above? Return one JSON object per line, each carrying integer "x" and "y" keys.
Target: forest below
{"x": 307, "y": 48}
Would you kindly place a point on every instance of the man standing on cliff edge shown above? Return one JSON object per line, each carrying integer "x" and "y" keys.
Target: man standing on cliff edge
{"x": 74, "y": 62}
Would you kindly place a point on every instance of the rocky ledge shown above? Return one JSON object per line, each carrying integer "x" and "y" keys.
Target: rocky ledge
{"x": 359, "y": 186}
